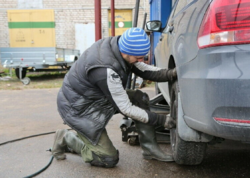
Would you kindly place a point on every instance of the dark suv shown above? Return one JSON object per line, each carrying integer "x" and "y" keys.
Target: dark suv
{"x": 208, "y": 41}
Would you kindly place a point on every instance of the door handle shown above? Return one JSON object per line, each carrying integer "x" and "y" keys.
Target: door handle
{"x": 171, "y": 28}
{"x": 161, "y": 38}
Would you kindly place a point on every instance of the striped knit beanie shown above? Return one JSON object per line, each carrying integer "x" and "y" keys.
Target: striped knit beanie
{"x": 134, "y": 42}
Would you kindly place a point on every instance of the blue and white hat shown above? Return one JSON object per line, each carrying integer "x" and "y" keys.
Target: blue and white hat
{"x": 134, "y": 42}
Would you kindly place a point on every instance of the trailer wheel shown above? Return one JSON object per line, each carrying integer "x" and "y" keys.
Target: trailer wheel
{"x": 24, "y": 71}
{"x": 186, "y": 153}
{"x": 26, "y": 81}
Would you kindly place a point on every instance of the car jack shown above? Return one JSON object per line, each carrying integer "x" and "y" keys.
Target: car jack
{"x": 128, "y": 129}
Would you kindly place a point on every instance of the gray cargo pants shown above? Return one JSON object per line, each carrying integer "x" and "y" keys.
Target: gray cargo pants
{"x": 104, "y": 152}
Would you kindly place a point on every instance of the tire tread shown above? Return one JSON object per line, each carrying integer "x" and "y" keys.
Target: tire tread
{"x": 185, "y": 153}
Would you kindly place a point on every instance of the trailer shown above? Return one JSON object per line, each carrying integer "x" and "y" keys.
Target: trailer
{"x": 33, "y": 44}
{"x": 37, "y": 59}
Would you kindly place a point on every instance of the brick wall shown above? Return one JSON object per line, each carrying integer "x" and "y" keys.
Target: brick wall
{"x": 67, "y": 14}
{"x": 4, "y": 32}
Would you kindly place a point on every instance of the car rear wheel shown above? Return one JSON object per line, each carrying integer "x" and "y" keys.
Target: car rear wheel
{"x": 186, "y": 153}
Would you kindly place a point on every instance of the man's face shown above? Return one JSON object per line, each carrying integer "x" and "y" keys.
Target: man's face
{"x": 132, "y": 59}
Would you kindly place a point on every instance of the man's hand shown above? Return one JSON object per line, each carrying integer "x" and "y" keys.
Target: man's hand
{"x": 170, "y": 122}
{"x": 164, "y": 120}
{"x": 172, "y": 74}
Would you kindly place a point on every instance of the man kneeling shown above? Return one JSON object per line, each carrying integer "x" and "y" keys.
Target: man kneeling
{"x": 94, "y": 90}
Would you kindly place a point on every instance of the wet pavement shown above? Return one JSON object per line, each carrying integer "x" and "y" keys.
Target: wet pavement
{"x": 30, "y": 112}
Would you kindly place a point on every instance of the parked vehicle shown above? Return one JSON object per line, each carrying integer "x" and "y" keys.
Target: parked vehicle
{"x": 209, "y": 44}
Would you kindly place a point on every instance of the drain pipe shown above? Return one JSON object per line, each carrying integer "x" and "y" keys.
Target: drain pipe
{"x": 137, "y": 5}
{"x": 98, "y": 20}
{"x": 112, "y": 17}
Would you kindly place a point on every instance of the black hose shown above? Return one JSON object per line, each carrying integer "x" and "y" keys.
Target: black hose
{"x": 51, "y": 159}
{"x": 26, "y": 138}
{"x": 43, "y": 169}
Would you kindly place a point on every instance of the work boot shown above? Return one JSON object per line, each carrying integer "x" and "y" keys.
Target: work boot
{"x": 74, "y": 142}
{"x": 146, "y": 132}
{"x": 60, "y": 145}
{"x": 66, "y": 141}
{"x": 149, "y": 145}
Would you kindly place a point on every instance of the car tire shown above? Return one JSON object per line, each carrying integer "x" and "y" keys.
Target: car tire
{"x": 184, "y": 152}
{"x": 24, "y": 71}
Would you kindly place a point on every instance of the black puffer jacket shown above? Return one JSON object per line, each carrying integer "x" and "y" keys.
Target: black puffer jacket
{"x": 82, "y": 105}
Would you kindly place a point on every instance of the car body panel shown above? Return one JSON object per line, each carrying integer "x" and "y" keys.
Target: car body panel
{"x": 217, "y": 84}
{"x": 213, "y": 82}
{"x": 165, "y": 49}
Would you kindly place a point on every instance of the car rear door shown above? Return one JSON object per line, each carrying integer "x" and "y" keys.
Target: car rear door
{"x": 166, "y": 48}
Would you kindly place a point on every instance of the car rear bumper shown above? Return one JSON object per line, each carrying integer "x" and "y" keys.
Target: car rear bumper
{"x": 215, "y": 92}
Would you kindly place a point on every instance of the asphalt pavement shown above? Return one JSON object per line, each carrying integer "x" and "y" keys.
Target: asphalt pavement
{"x": 25, "y": 113}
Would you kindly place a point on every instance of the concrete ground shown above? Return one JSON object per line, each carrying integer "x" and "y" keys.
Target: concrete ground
{"x": 30, "y": 112}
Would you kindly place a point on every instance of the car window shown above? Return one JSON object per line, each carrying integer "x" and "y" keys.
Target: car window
{"x": 170, "y": 16}
{"x": 173, "y": 1}
{"x": 177, "y": 6}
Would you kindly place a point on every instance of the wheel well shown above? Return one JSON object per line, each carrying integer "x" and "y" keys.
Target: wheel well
{"x": 171, "y": 65}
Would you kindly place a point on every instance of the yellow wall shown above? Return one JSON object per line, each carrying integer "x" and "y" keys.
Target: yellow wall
{"x": 31, "y": 28}
{"x": 123, "y": 21}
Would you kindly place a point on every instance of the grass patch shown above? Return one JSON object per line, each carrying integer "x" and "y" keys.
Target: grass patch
{"x": 39, "y": 80}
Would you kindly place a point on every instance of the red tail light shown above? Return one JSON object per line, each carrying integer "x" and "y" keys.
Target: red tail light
{"x": 226, "y": 22}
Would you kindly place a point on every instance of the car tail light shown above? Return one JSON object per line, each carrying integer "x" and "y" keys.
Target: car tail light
{"x": 232, "y": 121}
{"x": 226, "y": 22}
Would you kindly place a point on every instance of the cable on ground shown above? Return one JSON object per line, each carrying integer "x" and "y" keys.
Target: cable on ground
{"x": 51, "y": 159}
